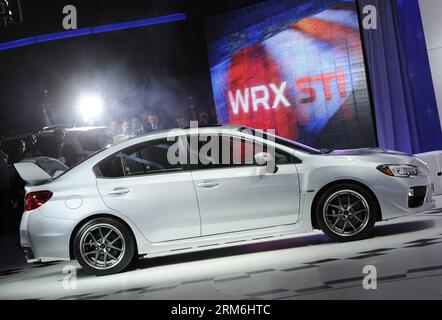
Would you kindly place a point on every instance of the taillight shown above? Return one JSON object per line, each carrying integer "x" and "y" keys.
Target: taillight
{"x": 36, "y": 199}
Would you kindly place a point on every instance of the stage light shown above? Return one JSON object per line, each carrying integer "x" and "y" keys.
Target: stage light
{"x": 90, "y": 107}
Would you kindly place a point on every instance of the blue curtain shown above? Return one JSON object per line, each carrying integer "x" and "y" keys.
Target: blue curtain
{"x": 403, "y": 94}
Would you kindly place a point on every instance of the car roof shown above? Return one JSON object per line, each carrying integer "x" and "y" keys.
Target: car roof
{"x": 161, "y": 134}
{"x": 181, "y": 131}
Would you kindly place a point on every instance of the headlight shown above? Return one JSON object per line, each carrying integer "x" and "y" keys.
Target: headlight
{"x": 400, "y": 170}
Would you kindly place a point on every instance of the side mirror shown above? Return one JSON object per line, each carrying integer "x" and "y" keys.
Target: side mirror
{"x": 265, "y": 159}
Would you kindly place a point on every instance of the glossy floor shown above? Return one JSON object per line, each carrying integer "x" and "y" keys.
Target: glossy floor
{"x": 407, "y": 255}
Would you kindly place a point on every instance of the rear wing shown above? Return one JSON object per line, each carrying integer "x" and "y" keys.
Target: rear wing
{"x": 40, "y": 169}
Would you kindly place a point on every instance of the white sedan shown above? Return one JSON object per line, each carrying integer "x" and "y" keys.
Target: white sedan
{"x": 133, "y": 199}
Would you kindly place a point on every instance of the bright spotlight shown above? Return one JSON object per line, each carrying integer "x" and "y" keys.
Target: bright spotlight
{"x": 90, "y": 107}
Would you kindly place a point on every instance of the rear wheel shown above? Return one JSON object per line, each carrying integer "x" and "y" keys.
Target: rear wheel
{"x": 347, "y": 212}
{"x": 104, "y": 246}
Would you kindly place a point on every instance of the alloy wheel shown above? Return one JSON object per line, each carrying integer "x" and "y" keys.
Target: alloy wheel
{"x": 102, "y": 246}
{"x": 346, "y": 213}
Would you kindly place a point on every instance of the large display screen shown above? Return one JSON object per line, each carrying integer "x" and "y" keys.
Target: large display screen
{"x": 295, "y": 66}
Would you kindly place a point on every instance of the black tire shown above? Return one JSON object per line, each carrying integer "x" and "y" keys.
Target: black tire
{"x": 124, "y": 241}
{"x": 338, "y": 216}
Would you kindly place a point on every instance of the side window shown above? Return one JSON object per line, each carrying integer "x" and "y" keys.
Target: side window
{"x": 147, "y": 158}
{"x": 282, "y": 158}
{"x": 111, "y": 167}
{"x": 233, "y": 152}
{"x": 207, "y": 158}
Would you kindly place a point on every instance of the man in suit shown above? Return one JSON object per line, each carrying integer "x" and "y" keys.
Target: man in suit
{"x": 62, "y": 150}
{"x": 153, "y": 122}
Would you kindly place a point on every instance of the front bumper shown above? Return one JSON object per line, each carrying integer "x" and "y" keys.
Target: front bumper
{"x": 45, "y": 239}
{"x": 400, "y": 197}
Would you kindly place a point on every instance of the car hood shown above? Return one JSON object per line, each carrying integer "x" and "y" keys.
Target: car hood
{"x": 382, "y": 156}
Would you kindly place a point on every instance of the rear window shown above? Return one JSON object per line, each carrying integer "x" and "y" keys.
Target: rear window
{"x": 142, "y": 159}
{"x": 93, "y": 141}
{"x": 52, "y": 167}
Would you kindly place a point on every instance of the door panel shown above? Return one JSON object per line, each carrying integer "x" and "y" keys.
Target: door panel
{"x": 243, "y": 198}
{"x": 162, "y": 206}
{"x": 238, "y": 194}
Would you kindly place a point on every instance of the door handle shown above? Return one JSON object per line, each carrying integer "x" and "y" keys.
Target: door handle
{"x": 118, "y": 192}
{"x": 209, "y": 184}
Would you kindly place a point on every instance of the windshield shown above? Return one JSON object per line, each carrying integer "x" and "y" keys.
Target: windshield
{"x": 283, "y": 141}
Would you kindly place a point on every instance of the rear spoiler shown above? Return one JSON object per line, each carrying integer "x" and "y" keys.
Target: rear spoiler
{"x": 40, "y": 169}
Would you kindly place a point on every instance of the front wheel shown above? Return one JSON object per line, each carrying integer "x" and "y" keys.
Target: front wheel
{"x": 347, "y": 212}
{"x": 104, "y": 246}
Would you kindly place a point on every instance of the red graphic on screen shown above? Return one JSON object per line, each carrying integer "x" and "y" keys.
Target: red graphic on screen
{"x": 339, "y": 36}
{"x": 254, "y": 76}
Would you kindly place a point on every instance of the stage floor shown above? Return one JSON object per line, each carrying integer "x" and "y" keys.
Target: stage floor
{"x": 407, "y": 255}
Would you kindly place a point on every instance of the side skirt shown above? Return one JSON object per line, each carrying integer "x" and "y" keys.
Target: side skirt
{"x": 227, "y": 240}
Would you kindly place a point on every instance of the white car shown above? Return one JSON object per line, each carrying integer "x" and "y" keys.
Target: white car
{"x": 129, "y": 200}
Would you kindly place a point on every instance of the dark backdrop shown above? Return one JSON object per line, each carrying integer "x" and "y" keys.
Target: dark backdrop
{"x": 162, "y": 66}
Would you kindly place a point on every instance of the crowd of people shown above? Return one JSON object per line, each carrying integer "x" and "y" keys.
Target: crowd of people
{"x": 11, "y": 185}
{"x": 150, "y": 122}
{"x": 9, "y": 193}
